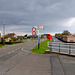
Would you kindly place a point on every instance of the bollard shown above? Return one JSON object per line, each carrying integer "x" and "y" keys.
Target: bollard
{"x": 69, "y": 48}
{"x": 59, "y": 47}
{"x": 50, "y": 47}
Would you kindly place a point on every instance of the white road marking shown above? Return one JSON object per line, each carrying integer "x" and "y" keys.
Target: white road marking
{"x": 9, "y": 52}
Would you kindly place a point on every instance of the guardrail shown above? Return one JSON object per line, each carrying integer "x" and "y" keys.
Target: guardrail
{"x": 68, "y": 48}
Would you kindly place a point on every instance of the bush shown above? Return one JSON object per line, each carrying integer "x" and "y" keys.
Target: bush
{"x": 2, "y": 41}
{"x": 15, "y": 42}
{"x": 13, "y": 39}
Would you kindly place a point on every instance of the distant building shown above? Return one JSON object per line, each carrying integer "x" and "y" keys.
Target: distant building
{"x": 11, "y": 35}
{"x": 43, "y": 35}
{"x": 20, "y": 37}
{"x": 31, "y": 36}
{"x": 7, "y": 39}
{"x": 68, "y": 38}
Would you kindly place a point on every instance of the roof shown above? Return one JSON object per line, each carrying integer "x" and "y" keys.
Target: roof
{"x": 66, "y": 35}
{"x": 11, "y": 34}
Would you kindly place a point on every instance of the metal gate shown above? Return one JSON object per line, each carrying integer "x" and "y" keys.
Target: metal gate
{"x": 68, "y": 48}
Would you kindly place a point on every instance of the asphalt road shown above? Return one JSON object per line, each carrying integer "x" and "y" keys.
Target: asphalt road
{"x": 18, "y": 60}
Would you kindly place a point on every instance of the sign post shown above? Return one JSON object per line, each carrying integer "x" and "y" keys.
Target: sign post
{"x": 34, "y": 33}
{"x": 39, "y": 28}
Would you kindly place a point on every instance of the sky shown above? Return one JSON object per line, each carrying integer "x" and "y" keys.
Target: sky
{"x": 19, "y": 16}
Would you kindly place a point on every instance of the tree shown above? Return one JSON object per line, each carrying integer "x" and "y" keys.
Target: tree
{"x": 25, "y": 35}
{"x": 2, "y": 41}
{"x": 13, "y": 39}
{"x": 66, "y": 32}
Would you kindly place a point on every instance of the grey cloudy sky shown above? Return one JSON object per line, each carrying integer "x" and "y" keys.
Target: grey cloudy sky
{"x": 21, "y": 15}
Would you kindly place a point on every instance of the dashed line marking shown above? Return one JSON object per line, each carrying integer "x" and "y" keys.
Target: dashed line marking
{"x": 9, "y": 52}
{"x": 13, "y": 51}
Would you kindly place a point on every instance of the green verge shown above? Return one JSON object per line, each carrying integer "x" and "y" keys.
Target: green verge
{"x": 1, "y": 46}
{"x": 43, "y": 47}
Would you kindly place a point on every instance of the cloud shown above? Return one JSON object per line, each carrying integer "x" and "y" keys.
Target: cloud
{"x": 22, "y": 15}
{"x": 69, "y": 22}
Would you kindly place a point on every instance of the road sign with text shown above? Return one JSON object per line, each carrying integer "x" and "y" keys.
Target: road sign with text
{"x": 41, "y": 27}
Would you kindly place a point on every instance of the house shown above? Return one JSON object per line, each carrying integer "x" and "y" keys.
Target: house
{"x": 20, "y": 37}
{"x": 43, "y": 35}
{"x": 10, "y": 37}
{"x": 68, "y": 38}
{"x": 31, "y": 36}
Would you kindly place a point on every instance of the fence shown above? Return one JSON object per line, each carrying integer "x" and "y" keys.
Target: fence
{"x": 68, "y": 48}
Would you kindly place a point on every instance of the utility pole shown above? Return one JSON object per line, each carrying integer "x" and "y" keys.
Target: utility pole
{"x": 3, "y": 41}
{"x": 3, "y": 28}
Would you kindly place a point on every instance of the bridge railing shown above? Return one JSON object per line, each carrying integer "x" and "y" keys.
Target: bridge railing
{"x": 68, "y": 48}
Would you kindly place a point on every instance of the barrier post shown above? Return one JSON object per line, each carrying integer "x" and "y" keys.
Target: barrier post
{"x": 69, "y": 48}
{"x": 59, "y": 47}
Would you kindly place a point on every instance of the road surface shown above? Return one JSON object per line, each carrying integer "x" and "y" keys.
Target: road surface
{"x": 18, "y": 60}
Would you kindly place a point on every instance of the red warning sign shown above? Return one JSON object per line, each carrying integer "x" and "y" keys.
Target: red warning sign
{"x": 33, "y": 31}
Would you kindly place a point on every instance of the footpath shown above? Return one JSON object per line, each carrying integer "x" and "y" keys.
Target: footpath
{"x": 62, "y": 65}
{"x": 44, "y": 64}
{"x": 33, "y": 64}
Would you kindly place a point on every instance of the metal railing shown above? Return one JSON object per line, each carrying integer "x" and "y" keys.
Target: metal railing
{"x": 68, "y": 48}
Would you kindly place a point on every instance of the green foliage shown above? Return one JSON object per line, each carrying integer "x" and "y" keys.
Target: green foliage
{"x": 59, "y": 34}
{"x": 13, "y": 39}
{"x": 5, "y": 37}
{"x": 15, "y": 42}
{"x": 25, "y": 35}
{"x": 1, "y": 46}
{"x": 43, "y": 47}
{"x": 2, "y": 41}
{"x": 66, "y": 32}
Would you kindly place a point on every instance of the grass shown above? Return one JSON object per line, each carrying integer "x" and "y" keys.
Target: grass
{"x": 15, "y": 43}
{"x": 43, "y": 47}
{"x": 1, "y": 45}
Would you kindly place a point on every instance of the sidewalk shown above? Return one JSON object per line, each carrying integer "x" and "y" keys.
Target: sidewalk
{"x": 62, "y": 65}
{"x": 34, "y": 64}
